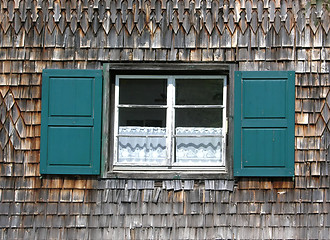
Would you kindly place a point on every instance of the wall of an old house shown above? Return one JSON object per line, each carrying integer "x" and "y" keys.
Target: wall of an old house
{"x": 253, "y": 35}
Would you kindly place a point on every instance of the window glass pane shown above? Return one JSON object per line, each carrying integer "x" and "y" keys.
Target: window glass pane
{"x": 199, "y": 145}
{"x": 143, "y": 117}
{"x": 198, "y": 92}
{"x": 198, "y": 117}
{"x": 142, "y": 91}
{"x": 133, "y": 147}
{"x": 199, "y": 150}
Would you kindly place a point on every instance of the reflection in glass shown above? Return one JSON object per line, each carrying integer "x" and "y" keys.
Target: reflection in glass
{"x": 198, "y": 117}
{"x": 143, "y": 117}
{"x": 142, "y": 91}
{"x": 199, "y": 91}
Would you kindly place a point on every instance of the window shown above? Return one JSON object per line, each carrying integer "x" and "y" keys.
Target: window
{"x": 170, "y": 122}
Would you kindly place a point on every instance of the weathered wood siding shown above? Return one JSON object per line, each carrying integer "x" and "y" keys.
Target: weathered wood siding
{"x": 254, "y": 35}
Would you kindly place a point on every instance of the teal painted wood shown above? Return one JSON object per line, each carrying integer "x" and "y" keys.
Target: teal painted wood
{"x": 264, "y": 123}
{"x": 71, "y": 122}
{"x": 70, "y": 97}
{"x": 70, "y": 146}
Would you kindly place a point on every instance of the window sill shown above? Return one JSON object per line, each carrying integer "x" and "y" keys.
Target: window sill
{"x": 175, "y": 173}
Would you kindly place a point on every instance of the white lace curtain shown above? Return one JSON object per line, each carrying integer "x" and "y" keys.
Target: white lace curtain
{"x": 148, "y": 145}
{"x": 198, "y": 145}
{"x": 135, "y": 147}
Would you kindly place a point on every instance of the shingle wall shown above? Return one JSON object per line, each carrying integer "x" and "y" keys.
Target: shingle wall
{"x": 254, "y": 35}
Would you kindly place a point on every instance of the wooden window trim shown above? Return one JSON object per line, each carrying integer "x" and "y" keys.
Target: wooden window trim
{"x": 114, "y": 68}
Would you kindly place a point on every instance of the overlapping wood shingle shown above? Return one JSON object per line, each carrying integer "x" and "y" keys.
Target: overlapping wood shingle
{"x": 251, "y": 34}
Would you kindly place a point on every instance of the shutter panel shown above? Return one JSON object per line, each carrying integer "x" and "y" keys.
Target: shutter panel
{"x": 264, "y": 123}
{"x": 71, "y": 122}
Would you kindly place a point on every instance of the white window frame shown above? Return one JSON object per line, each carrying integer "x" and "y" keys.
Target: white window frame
{"x": 170, "y": 165}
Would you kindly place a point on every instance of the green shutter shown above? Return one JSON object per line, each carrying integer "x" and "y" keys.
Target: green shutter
{"x": 264, "y": 123}
{"x": 71, "y": 122}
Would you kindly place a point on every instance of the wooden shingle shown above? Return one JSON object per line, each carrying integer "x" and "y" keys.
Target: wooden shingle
{"x": 252, "y": 35}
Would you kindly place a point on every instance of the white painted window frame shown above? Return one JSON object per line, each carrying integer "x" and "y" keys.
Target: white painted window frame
{"x": 170, "y": 106}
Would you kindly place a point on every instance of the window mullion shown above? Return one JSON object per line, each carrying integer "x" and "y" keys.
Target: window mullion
{"x": 170, "y": 119}
{"x": 140, "y": 106}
